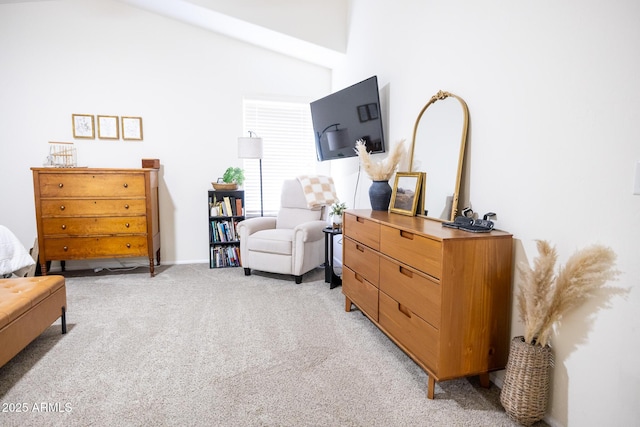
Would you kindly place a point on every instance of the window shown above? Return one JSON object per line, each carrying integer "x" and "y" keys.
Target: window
{"x": 288, "y": 150}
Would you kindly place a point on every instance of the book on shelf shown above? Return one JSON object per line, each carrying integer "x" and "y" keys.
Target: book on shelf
{"x": 227, "y": 204}
{"x": 224, "y": 230}
{"x": 225, "y": 256}
{"x": 239, "y": 207}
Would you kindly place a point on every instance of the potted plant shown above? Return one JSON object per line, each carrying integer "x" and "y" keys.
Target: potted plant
{"x": 336, "y": 214}
{"x": 380, "y": 172}
{"x": 231, "y": 179}
{"x": 544, "y": 297}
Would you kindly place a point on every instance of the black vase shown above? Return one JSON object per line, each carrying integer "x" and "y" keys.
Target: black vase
{"x": 380, "y": 195}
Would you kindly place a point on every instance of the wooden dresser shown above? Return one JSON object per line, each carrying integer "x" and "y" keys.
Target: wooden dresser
{"x": 85, "y": 213}
{"x": 442, "y": 295}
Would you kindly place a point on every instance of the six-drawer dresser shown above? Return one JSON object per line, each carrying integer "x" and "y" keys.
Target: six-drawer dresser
{"x": 442, "y": 295}
{"x": 85, "y": 213}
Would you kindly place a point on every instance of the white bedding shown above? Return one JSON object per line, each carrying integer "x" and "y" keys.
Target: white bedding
{"x": 13, "y": 255}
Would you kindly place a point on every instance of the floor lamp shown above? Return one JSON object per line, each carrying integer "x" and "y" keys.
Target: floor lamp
{"x": 251, "y": 148}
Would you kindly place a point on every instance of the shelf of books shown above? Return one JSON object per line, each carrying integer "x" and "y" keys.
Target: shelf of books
{"x": 226, "y": 210}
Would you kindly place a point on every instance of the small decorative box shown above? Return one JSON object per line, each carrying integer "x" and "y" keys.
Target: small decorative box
{"x": 151, "y": 163}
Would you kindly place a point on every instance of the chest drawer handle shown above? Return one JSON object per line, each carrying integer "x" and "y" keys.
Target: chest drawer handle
{"x": 404, "y": 310}
{"x": 61, "y": 207}
{"x": 65, "y": 248}
{"x": 406, "y": 234}
{"x": 127, "y": 225}
{"x": 359, "y": 278}
{"x": 128, "y": 245}
{"x": 360, "y": 220}
{"x": 359, "y": 248}
{"x": 126, "y": 206}
{"x": 64, "y": 226}
{"x": 406, "y": 272}
{"x": 126, "y": 185}
{"x": 60, "y": 185}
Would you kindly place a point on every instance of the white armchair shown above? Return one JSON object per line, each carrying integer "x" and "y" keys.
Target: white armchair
{"x": 291, "y": 243}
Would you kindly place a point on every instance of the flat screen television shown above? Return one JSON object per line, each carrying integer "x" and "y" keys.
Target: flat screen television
{"x": 342, "y": 118}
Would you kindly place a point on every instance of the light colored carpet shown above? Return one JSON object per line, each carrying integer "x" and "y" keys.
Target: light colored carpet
{"x": 194, "y": 346}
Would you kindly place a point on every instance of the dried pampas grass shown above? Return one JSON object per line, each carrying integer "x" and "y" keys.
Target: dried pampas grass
{"x": 544, "y": 297}
{"x": 382, "y": 170}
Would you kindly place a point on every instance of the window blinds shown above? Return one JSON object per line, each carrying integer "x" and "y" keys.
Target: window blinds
{"x": 289, "y": 150}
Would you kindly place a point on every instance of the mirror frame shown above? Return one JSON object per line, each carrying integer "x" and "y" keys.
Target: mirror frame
{"x": 463, "y": 140}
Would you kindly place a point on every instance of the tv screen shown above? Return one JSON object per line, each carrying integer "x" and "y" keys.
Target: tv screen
{"x": 342, "y": 118}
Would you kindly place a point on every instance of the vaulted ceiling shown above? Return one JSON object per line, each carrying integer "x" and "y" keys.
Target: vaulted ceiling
{"x": 310, "y": 30}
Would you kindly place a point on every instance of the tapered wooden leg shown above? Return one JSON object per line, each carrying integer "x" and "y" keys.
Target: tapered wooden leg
{"x": 347, "y": 304}
{"x": 431, "y": 385}
{"x": 484, "y": 380}
{"x": 151, "y": 269}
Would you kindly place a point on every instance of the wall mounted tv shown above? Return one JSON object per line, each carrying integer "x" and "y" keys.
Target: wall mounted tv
{"x": 342, "y": 118}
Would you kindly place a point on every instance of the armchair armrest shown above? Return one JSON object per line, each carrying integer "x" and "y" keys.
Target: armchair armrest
{"x": 252, "y": 225}
{"x": 310, "y": 231}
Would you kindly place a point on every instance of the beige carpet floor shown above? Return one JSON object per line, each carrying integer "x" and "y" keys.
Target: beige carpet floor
{"x": 200, "y": 347}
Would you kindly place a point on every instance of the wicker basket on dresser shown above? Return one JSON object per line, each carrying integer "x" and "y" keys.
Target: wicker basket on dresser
{"x": 88, "y": 213}
{"x": 442, "y": 295}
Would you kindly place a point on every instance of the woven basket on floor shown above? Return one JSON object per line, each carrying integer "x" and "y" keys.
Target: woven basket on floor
{"x": 525, "y": 392}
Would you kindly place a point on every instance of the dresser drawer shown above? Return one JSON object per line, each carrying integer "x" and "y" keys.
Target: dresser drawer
{"x": 96, "y": 225}
{"x": 362, "y": 230}
{"x": 67, "y": 248}
{"x": 420, "y": 338}
{"x": 362, "y": 259}
{"x": 91, "y": 184}
{"x": 414, "y": 290}
{"x": 412, "y": 249}
{"x": 88, "y": 207}
{"x": 360, "y": 292}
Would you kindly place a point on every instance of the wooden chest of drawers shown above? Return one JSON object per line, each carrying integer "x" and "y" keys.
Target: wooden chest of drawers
{"x": 85, "y": 213}
{"x": 442, "y": 295}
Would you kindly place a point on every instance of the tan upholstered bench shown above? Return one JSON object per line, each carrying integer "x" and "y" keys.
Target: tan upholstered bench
{"x": 28, "y": 306}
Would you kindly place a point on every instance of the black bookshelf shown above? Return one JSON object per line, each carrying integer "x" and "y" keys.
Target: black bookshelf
{"x": 226, "y": 210}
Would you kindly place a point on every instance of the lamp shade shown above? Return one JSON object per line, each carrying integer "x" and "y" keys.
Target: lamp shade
{"x": 249, "y": 148}
{"x": 338, "y": 139}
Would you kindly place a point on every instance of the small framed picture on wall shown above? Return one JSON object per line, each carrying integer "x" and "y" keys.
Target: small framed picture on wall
{"x": 132, "y": 128}
{"x": 83, "y": 126}
{"x": 108, "y": 127}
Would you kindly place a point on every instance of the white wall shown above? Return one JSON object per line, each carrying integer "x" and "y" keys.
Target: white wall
{"x": 102, "y": 57}
{"x": 554, "y": 103}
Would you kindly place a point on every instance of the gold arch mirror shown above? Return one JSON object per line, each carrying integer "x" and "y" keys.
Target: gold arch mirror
{"x": 439, "y": 139}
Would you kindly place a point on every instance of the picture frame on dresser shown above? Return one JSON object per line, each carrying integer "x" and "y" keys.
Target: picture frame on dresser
{"x": 406, "y": 193}
{"x": 83, "y": 126}
{"x": 108, "y": 127}
{"x": 131, "y": 128}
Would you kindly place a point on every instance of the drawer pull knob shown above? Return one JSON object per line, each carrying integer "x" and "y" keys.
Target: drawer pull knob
{"x": 360, "y": 220}
{"x": 126, "y": 185}
{"x": 64, "y": 226}
{"x": 404, "y": 310}
{"x": 360, "y": 248}
{"x": 66, "y": 248}
{"x": 61, "y": 207}
{"x": 406, "y": 234}
{"x": 60, "y": 185}
{"x": 127, "y": 225}
{"x": 126, "y": 206}
{"x": 128, "y": 245}
{"x": 359, "y": 278}
{"x": 406, "y": 272}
